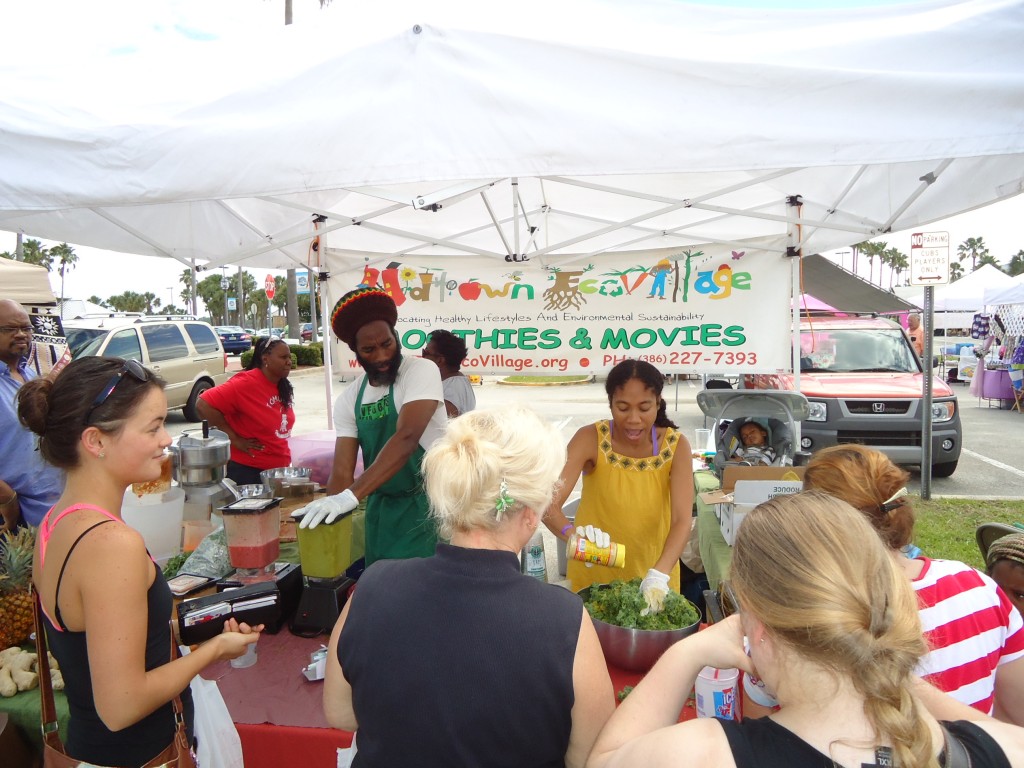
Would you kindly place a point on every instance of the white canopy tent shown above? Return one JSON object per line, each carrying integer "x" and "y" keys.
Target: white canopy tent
{"x": 27, "y": 284}
{"x": 554, "y": 132}
{"x": 968, "y": 294}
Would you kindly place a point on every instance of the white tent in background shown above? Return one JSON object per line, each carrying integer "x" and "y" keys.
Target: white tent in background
{"x": 968, "y": 294}
{"x": 27, "y": 284}
{"x": 1011, "y": 293}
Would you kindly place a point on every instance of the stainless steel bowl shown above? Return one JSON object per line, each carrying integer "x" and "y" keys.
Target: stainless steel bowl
{"x": 635, "y": 650}
{"x": 272, "y": 478}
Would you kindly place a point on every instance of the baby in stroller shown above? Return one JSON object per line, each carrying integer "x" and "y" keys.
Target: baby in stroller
{"x": 753, "y": 448}
{"x": 756, "y": 442}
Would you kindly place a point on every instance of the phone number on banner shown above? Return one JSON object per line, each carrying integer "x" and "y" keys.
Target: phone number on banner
{"x": 692, "y": 358}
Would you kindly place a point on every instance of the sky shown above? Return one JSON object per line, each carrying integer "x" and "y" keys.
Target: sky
{"x": 124, "y": 25}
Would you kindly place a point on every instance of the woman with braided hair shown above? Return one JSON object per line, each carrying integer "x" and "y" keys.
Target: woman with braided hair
{"x": 254, "y": 409}
{"x": 832, "y": 629}
{"x": 975, "y": 635}
{"x": 1005, "y": 563}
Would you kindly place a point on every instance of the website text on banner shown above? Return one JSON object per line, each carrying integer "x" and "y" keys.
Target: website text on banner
{"x": 685, "y": 313}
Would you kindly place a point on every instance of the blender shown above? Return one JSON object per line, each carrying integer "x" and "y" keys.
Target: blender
{"x": 325, "y": 553}
{"x": 252, "y": 528}
{"x": 200, "y": 465}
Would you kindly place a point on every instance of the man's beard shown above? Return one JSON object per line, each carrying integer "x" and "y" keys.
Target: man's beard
{"x": 377, "y": 377}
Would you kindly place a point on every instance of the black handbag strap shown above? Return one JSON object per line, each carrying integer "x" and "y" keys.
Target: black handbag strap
{"x": 955, "y": 751}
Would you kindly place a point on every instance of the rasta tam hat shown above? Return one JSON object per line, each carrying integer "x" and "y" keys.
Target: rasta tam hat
{"x": 359, "y": 307}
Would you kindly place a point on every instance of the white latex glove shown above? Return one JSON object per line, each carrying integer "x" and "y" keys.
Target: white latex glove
{"x": 654, "y": 588}
{"x": 595, "y": 535}
{"x": 326, "y": 510}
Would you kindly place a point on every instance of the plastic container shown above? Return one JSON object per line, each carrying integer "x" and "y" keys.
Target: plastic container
{"x": 326, "y": 551}
{"x": 158, "y": 517}
{"x": 252, "y": 534}
{"x": 534, "y": 562}
{"x": 716, "y": 692}
{"x": 247, "y": 659}
{"x": 581, "y": 548}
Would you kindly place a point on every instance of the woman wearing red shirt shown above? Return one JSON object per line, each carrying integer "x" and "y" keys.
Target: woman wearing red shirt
{"x": 254, "y": 409}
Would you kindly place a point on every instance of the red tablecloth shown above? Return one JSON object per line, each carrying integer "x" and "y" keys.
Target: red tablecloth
{"x": 279, "y": 714}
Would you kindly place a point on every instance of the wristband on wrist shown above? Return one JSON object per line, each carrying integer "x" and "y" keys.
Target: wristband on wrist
{"x": 566, "y": 528}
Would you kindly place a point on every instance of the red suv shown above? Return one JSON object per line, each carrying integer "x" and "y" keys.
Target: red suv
{"x": 864, "y": 381}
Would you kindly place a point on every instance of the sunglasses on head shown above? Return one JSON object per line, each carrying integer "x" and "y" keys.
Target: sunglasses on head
{"x": 132, "y": 367}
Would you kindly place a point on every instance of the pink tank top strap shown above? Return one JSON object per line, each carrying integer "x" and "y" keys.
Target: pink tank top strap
{"x": 47, "y": 526}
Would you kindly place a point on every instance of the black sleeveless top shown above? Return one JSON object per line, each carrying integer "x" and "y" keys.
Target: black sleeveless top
{"x": 88, "y": 739}
{"x": 460, "y": 660}
{"x": 763, "y": 743}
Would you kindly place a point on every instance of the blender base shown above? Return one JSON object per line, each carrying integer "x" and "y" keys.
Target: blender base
{"x": 320, "y": 605}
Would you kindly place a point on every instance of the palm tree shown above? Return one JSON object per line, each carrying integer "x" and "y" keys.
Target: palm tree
{"x": 94, "y": 299}
{"x": 35, "y": 253}
{"x": 900, "y": 262}
{"x": 1016, "y": 265}
{"x": 896, "y": 261}
{"x": 67, "y": 258}
{"x": 988, "y": 258}
{"x": 973, "y": 247}
{"x": 956, "y": 271}
{"x": 871, "y": 250}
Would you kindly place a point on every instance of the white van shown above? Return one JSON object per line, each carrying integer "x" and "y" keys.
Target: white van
{"x": 185, "y": 353}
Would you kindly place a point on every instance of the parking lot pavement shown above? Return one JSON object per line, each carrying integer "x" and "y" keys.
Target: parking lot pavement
{"x": 992, "y": 464}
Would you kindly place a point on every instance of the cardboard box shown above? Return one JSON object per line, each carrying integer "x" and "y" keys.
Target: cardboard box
{"x": 743, "y": 488}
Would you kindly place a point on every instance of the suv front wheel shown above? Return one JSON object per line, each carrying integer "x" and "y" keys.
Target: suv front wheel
{"x": 190, "y": 410}
{"x": 944, "y": 470}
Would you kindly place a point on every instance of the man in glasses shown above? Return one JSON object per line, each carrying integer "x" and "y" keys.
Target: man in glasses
{"x": 28, "y": 485}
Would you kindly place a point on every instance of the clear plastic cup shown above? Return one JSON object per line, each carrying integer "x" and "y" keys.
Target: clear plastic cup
{"x": 247, "y": 659}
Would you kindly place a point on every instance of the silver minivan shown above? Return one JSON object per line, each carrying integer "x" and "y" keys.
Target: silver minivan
{"x": 185, "y": 353}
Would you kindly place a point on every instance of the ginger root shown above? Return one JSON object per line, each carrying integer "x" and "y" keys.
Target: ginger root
{"x": 7, "y": 685}
{"x": 18, "y": 672}
{"x": 25, "y": 681}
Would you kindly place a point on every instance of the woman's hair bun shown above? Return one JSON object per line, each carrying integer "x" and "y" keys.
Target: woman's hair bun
{"x": 34, "y": 404}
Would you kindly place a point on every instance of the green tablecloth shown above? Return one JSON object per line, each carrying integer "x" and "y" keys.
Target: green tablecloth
{"x": 23, "y": 709}
{"x": 714, "y": 552}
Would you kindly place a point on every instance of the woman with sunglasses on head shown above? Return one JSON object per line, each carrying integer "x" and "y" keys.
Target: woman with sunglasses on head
{"x": 254, "y": 409}
{"x": 106, "y": 605}
{"x": 975, "y": 635}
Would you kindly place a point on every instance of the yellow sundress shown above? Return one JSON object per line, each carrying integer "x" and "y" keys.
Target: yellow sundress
{"x": 628, "y": 498}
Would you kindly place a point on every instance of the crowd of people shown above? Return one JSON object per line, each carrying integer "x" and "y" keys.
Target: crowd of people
{"x": 872, "y": 656}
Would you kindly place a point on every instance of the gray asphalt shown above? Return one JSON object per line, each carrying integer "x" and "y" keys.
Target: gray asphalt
{"x": 991, "y": 466}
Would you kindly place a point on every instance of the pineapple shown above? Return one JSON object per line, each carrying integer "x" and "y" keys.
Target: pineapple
{"x": 16, "y": 620}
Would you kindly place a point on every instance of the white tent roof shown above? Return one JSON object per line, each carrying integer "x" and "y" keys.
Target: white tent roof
{"x": 969, "y": 292}
{"x": 27, "y": 284}
{"x": 1010, "y": 293}
{"x": 554, "y": 131}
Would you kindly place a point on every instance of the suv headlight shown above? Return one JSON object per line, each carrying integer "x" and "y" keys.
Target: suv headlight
{"x": 943, "y": 411}
{"x": 818, "y": 412}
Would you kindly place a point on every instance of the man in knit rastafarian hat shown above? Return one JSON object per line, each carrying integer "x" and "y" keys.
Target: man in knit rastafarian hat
{"x": 393, "y": 412}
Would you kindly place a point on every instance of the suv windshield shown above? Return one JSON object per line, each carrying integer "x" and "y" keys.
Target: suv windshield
{"x": 860, "y": 350}
{"x": 79, "y": 338}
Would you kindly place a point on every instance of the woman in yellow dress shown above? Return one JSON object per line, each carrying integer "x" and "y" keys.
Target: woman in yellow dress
{"x": 633, "y": 489}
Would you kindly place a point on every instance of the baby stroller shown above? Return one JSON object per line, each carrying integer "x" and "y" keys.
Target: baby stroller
{"x": 777, "y": 411}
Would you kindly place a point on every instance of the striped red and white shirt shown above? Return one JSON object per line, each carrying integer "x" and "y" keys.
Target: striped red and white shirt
{"x": 971, "y": 628}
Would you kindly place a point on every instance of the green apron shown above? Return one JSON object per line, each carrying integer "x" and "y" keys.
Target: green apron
{"x": 397, "y": 524}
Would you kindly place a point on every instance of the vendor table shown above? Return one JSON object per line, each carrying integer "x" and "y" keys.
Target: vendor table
{"x": 714, "y": 552}
{"x": 996, "y": 386}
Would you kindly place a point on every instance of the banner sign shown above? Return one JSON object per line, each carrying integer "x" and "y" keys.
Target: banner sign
{"x": 686, "y": 313}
